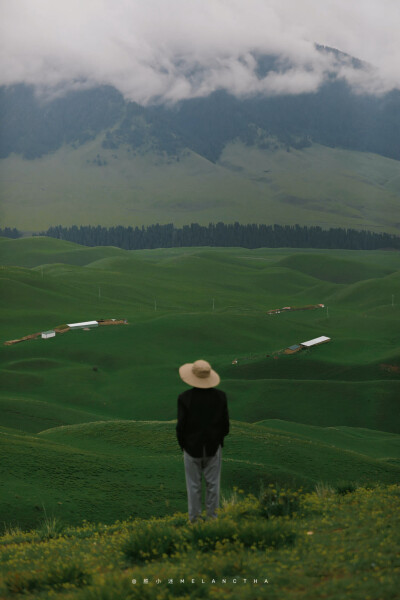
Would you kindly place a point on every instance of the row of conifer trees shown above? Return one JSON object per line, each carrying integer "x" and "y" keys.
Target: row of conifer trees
{"x": 222, "y": 234}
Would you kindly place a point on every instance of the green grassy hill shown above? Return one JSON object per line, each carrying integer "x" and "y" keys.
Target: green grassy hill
{"x": 32, "y": 252}
{"x": 314, "y": 186}
{"x": 334, "y": 269}
{"x": 377, "y": 444}
{"x": 110, "y": 470}
{"x": 122, "y": 381}
{"x": 284, "y": 543}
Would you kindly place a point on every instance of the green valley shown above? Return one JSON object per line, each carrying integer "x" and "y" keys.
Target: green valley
{"x": 95, "y": 410}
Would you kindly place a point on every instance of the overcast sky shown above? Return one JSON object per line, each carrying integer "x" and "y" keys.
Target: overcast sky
{"x": 175, "y": 49}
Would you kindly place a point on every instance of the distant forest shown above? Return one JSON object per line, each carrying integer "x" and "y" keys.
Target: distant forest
{"x": 10, "y": 233}
{"x": 221, "y": 234}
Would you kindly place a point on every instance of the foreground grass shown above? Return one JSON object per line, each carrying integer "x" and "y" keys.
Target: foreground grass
{"x": 325, "y": 544}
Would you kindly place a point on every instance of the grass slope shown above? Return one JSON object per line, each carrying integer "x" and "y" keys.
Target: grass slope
{"x": 33, "y": 252}
{"x": 285, "y": 544}
{"x": 102, "y": 377}
{"x": 115, "y": 469}
{"x": 314, "y": 186}
{"x": 347, "y": 372}
{"x": 333, "y": 269}
{"x": 377, "y": 444}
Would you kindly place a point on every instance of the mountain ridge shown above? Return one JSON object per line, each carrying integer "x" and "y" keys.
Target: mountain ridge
{"x": 334, "y": 116}
{"x": 327, "y": 158}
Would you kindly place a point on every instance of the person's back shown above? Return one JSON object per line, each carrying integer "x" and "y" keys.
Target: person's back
{"x": 202, "y": 421}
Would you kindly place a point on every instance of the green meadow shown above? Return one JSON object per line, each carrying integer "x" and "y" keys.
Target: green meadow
{"x": 88, "y": 417}
{"x": 92, "y": 483}
{"x": 330, "y": 543}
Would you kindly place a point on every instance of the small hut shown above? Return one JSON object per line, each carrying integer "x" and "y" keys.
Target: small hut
{"x": 293, "y": 349}
{"x": 48, "y": 334}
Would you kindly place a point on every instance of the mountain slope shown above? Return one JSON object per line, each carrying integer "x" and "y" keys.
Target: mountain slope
{"x": 89, "y": 157}
{"x": 313, "y": 186}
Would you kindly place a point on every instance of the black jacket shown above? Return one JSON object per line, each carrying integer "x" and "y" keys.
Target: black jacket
{"x": 203, "y": 420}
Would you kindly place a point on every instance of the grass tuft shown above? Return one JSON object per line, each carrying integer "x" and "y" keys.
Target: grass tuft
{"x": 56, "y": 578}
{"x": 11, "y": 530}
{"x": 150, "y": 542}
{"x": 50, "y": 526}
{"x": 324, "y": 490}
{"x": 345, "y": 487}
{"x": 276, "y": 501}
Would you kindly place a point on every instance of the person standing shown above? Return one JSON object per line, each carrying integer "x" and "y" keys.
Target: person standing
{"x": 203, "y": 423}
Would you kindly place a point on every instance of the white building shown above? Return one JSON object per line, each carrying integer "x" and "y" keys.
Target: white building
{"x": 48, "y": 334}
{"x": 82, "y": 325}
{"x": 319, "y": 340}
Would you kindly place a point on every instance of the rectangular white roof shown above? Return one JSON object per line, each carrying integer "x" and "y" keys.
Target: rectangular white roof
{"x": 84, "y": 324}
{"x": 315, "y": 341}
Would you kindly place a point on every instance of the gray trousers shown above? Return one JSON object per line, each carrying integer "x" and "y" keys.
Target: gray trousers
{"x": 210, "y": 467}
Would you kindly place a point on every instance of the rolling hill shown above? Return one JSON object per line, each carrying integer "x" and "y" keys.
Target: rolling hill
{"x": 112, "y": 470}
{"x": 96, "y": 409}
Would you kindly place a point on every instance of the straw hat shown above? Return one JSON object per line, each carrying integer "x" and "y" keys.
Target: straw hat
{"x": 199, "y": 374}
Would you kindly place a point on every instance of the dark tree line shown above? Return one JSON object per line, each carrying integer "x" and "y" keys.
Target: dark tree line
{"x": 221, "y": 234}
{"x": 10, "y": 233}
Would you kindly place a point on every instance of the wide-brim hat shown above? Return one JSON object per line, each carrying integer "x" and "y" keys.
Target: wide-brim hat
{"x": 199, "y": 374}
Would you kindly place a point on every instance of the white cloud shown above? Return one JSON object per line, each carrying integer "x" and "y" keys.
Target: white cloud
{"x": 152, "y": 49}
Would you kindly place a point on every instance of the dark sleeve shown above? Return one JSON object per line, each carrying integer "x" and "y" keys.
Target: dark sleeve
{"x": 180, "y": 426}
{"x": 225, "y": 417}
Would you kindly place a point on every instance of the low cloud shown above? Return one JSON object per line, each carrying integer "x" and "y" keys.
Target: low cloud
{"x": 167, "y": 51}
